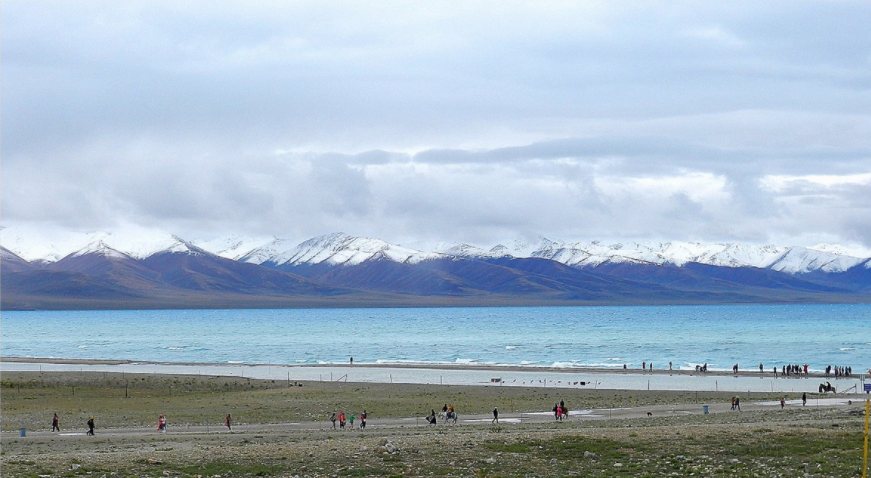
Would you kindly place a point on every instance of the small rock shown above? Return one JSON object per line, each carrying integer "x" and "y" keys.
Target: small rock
{"x": 618, "y": 465}
{"x": 553, "y": 461}
{"x": 734, "y": 460}
{"x": 589, "y": 455}
{"x": 75, "y": 466}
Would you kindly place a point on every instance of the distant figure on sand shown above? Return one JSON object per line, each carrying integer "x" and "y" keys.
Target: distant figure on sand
{"x": 227, "y": 421}
{"x": 352, "y": 360}
{"x": 782, "y": 402}
{"x": 91, "y": 425}
{"x": 495, "y": 416}
{"x": 363, "y": 420}
{"x": 161, "y": 423}
{"x": 55, "y": 423}
{"x": 333, "y": 419}
{"x": 803, "y": 399}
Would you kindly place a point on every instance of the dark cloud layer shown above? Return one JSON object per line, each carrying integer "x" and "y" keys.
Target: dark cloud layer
{"x": 442, "y": 121}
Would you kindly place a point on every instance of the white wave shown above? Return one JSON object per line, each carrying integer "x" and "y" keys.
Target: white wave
{"x": 846, "y": 349}
{"x": 511, "y": 347}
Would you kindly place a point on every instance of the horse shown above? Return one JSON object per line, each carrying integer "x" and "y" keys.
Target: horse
{"x": 451, "y": 416}
{"x": 827, "y": 387}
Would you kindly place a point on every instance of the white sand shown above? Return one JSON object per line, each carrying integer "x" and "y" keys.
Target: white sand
{"x": 469, "y": 375}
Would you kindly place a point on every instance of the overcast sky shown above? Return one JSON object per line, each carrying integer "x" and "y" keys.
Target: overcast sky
{"x": 473, "y": 121}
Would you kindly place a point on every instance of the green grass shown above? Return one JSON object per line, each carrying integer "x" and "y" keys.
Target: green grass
{"x": 131, "y": 400}
{"x": 787, "y": 443}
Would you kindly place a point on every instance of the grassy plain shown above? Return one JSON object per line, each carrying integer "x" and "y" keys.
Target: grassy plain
{"x": 281, "y": 430}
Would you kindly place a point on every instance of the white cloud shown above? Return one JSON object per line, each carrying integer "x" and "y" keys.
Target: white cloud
{"x": 473, "y": 121}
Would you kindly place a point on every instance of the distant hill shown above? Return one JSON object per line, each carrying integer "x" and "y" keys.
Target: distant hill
{"x": 337, "y": 270}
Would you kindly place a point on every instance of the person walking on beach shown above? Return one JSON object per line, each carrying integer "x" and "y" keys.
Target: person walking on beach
{"x": 782, "y": 402}
{"x": 342, "y": 420}
{"x": 352, "y": 420}
{"x": 91, "y": 425}
{"x": 495, "y": 416}
{"x": 161, "y": 423}
{"x": 227, "y": 421}
{"x": 738, "y": 403}
{"x": 55, "y": 423}
{"x": 803, "y": 399}
{"x": 363, "y": 420}
{"x": 333, "y": 419}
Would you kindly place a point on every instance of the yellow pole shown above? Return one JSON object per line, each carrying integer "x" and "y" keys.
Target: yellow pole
{"x": 865, "y": 453}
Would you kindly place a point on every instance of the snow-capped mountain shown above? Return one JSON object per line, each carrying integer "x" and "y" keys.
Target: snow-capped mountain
{"x": 336, "y": 249}
{"x": 343, "y": 249}
{"x": 233, "y": 247}
{"x": 138, "y": 244}
{"x": 155, "y": 269}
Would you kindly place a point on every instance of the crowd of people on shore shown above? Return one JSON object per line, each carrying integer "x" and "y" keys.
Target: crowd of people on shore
{"x": 346, "y": 422}
{"x": 839, "y": 372}
{"x": 785, "y": 371}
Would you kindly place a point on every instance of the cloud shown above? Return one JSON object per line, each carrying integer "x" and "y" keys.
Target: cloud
{"x": 472, "y": 121}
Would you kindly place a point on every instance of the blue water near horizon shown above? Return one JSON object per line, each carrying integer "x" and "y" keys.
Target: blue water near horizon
{"x": 567, "y": 337}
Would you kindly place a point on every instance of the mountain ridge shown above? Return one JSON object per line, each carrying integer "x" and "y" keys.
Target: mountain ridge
{"x": 338, "y": 269}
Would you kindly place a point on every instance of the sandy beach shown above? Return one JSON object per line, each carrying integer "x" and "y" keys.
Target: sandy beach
{"x": 281, "y": 427}
{"x": 463, "y": 374}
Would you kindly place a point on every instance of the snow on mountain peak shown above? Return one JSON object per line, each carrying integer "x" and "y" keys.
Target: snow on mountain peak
{"x": 36, "y": 246}
{"x": 340, "y": 248}
{"x": 234, "y": 247}
{"x": 100, "y": 247}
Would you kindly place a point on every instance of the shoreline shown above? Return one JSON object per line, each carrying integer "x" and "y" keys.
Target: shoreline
{"x": 422, "y": 366}
{"x": 456, "y": 374}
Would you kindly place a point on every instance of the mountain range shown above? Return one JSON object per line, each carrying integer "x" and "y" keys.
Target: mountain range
{"x": 161, "y": 270}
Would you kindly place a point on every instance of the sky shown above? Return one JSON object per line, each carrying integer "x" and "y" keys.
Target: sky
{"x": 440, "y": 121}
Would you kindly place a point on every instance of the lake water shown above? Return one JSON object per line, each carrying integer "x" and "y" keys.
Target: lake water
{"x": 567, "y": 337}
